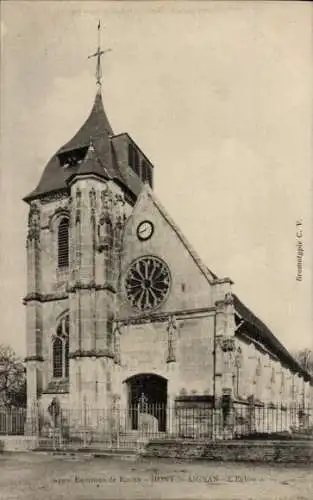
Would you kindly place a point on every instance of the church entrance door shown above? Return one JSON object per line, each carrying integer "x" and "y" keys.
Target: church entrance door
{"x": 147, "y": 398}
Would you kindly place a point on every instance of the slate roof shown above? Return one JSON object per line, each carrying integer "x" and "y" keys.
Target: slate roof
{"x": 98, "y": 131}
{"x": 261, "y": 333}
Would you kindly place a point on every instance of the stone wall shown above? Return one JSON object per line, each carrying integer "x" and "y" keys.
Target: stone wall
{"x": 252, "y": 451}
{"x": 17, "y": 443}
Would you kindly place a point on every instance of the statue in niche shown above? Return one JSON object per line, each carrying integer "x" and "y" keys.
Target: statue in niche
{"x": 172, "y": 338}
{"x": 119, "y": 198}
{"x": 227, "y": 344}
{"x": 106, "y": 199}
{"x": 229, "y": 300}
{"x": 117, "y": 345}
{"x": 105, "y": 233}
{"x": 54, "y": 410}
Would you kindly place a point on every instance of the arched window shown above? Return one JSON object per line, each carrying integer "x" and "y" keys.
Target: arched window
{"x": 60, "y": 350}
{"x": 57, "y": 357}
{"x": 63, "y": 243}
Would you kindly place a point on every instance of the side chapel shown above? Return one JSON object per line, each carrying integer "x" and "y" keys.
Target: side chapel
{"x": 118, "y": 303}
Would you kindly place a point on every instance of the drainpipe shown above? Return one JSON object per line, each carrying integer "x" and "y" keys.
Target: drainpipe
{"x": 214, "y": 376}
{"x": 214, "y": 362}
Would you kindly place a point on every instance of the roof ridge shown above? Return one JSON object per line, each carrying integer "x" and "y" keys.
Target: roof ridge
{"x": 268, "y": 335}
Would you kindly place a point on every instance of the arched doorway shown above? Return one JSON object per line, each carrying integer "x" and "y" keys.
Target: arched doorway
{"x": 147, "y": 393}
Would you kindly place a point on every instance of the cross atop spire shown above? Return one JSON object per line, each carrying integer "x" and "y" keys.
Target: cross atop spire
{"x": 98, "y": 55}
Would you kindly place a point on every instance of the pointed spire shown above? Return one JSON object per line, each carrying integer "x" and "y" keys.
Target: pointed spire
{"x": 95, "y": 127}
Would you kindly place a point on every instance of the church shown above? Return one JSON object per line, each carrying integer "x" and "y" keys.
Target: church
{"x": 120, "y": 309}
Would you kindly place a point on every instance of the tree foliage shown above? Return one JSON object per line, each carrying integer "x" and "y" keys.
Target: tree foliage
{"x": 12, "y": 378}
{"x": 305, "y": 359}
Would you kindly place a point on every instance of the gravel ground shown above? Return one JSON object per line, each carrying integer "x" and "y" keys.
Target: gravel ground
{"x": 34, "y": 476}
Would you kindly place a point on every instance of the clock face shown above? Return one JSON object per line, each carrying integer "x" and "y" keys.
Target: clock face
{"x": 147, "y": 283}
{"x": 145, "y": 230}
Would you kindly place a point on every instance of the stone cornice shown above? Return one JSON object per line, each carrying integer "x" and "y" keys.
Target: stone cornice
{"x": 57, "y": 195}
{"x": 33, "y": 358}
{"x": 91, "y": 286}
{"x": 44, "y": 297}
{"x": 92, "y": 353}
{"x": 164, "y": 316}
{"x": 49, "y": 297}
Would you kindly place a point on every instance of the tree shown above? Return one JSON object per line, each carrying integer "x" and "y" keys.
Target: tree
{"x": 305, "y": 359}
{"x": 12, "y": 379}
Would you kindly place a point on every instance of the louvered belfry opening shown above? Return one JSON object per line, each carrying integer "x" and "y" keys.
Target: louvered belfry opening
{"x": 133, "y": 159}
{"x": 63, "y": 243}
{"x": 146, "y": 172}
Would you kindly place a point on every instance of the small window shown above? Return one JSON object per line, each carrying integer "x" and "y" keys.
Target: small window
{"x": 73, "y": 157}
{"x": 63, "y": 244}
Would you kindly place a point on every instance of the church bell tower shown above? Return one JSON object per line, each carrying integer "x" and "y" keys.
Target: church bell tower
{"x": 77, "y": 215}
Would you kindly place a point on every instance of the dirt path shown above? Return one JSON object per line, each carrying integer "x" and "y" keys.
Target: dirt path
{"x": 39, "y": 476}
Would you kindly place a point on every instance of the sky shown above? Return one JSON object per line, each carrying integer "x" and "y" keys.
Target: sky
{"x": 219, "y": 97}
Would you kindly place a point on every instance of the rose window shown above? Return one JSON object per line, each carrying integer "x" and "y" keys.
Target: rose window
{"x": 147, "y": 283}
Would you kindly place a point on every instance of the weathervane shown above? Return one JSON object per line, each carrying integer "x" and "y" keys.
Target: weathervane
{"x": 98, "y": 55}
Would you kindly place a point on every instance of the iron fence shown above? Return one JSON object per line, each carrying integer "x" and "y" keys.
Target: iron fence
{"x": 12, "y": 421}
{"x": 132, "y": 426}
{"x": 126, "y": 427}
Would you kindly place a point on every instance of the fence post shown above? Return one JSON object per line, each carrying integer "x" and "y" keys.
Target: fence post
{"x": 118, "y": 425}
{"x": 61, "y": 430}
{"x": 84, "y": 423}
{"x": 53, "y": 428}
